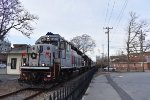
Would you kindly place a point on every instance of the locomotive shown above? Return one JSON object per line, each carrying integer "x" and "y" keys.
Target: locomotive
{"x": 50, "y": 59}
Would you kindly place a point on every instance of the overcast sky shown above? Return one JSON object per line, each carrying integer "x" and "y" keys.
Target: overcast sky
{"x": 71, "y": 18}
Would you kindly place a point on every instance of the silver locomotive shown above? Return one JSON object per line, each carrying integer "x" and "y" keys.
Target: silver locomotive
{"x": 51, "y": 59}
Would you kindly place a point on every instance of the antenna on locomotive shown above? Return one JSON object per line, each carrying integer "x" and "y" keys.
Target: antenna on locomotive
{"x": 49, "y": 33}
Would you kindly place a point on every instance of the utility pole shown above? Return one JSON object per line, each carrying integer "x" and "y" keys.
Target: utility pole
{"x": 108, "y": 30}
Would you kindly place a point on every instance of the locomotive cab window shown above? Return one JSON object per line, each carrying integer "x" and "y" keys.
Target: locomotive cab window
{"x": 40, "y": 49}
{"x": 68, "y": 47}
{"x": 62, "y": 45}
{"x": 55, "y": 43}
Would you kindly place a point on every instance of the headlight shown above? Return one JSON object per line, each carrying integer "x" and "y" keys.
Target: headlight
{"x": 48, "y": 75}
{"x": 43, "y": 39}
{"x": 24, "y": 64}
{"x": 43, "y": 64}
{"x": 48, "y": 39}
{"x": 23, "y": 74}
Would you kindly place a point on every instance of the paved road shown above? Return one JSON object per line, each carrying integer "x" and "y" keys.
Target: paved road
{"x": 5, "y": 78}
{"x": 123, "y": 94}
{"x": 3, "y": 71}
{"x": 120, "y": 86}
{"x": 136, "y": 84}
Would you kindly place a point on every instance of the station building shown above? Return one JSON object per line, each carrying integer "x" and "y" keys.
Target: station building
{"x": 14, "y": 58}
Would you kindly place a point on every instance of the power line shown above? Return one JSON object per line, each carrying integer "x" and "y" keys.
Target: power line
{"x": 121, "y": 13}
{"x": 111, "y": 11}
{"x": 122, "y": 10}
{"x": 117, "y": 21}
{"x": 107, "y": 12}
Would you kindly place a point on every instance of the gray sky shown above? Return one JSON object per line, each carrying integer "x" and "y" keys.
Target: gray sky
{"x": 71, "y": 18}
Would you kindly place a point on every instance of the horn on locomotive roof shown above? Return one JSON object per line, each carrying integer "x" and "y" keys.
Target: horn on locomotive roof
{"x": 49, "y": 33}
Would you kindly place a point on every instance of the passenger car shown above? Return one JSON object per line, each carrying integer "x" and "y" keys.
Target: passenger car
{"x": 110, "y": 69}
{"x": 2, "y": 66}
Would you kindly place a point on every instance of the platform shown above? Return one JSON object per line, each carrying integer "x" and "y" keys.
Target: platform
{"x": 100, "y": 89}
{"x": 119, "y": 86}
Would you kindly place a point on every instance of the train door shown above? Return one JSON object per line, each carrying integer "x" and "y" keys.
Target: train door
{"x": 45, "y": 56}
{"x": 34, "y": 56}
{"x": 56, "y": 71}
{"x": 56, "y": 65}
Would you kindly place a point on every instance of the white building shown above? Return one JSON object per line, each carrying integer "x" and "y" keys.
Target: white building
{"x": 14, "y": 58}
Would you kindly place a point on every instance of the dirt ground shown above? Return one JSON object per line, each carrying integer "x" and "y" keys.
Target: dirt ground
{"x": 8, "y": 83}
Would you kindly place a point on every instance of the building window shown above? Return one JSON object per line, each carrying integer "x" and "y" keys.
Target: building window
{"x": 13, "y": 63}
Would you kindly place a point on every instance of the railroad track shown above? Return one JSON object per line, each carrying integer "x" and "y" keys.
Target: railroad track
{"x": 30, "y": 93}
{"x": 22, "y": 94}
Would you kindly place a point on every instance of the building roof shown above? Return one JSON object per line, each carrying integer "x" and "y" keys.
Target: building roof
{"x": 120, "y": 58}
{"x": 133, "y": 57}
{"x": 20, "y": 45}
{"x": 19, "y": 48}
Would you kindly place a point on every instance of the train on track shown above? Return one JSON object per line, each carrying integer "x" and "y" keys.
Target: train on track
{"x": 51, "y": 59}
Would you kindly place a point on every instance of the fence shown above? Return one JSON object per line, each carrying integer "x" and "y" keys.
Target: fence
{"x": 76, "y": 89}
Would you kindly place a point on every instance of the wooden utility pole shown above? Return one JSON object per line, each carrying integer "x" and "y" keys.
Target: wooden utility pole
{"x": 108, "y": 30}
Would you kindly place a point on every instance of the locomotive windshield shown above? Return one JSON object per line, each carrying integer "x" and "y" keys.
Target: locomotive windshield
{"x": 55, "y": 43}
{"x": 50, "y": 40}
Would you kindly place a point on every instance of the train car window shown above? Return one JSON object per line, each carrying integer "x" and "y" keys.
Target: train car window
{"x": 62, "y": 45}
{"x": 78, "y": 61}
{"x": 33, "y": 48}
{"x": 41, "y": 49}
{"x": 75, "y": 61}
{"x": 60, "y": 54}
{"x": 68, "y": 47}
{"x": 48, "y": 48}
{"x": 53, "y": 54}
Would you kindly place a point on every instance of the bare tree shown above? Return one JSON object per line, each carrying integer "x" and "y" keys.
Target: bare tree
{"x": 77, "y": 41}
{"x": 14, "y": 16}
{"x": 84, "y": 43}
{"x": 135, "y": 30}
{"x": 130, "y": 30}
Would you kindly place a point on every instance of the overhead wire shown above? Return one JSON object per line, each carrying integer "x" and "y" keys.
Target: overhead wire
{"x": 111, "y": 11}
{"x": 119, "y": 17}
{"x": 121, "y": 14}
{"x": 107, "y": 12}
{"x": 108, "y": 18}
